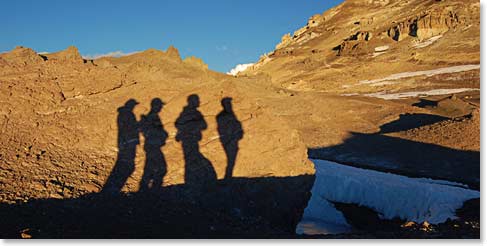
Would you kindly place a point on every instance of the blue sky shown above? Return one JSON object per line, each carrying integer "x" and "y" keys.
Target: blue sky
{"x": 222, "y": 32}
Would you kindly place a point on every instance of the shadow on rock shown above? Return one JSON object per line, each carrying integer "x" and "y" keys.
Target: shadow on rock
{"x": 411, "y": 121}
{"x": 230, "y": 132}
{"x": 128, "y": 139}
{"x": 199, "y": 171}
{"x": 240, "y": 208}
{"x": 410, "y": 158}
{"x": 155, "y": 137}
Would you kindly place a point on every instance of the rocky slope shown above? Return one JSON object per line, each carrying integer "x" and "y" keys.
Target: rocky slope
{"x": 358, "y": 39}
{"x": 66, "y": 121}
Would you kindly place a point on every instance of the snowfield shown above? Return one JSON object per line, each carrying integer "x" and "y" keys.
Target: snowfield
{"x": 428, "y": 42}
{"x": 428, "y": 73}
{"x": 391, "y": 195}
{"x": 402, "y": 95}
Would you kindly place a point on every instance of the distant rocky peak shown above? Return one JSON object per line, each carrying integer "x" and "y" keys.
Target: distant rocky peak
{"x": 196, "y": 62}
{"x": 172, "y": 52}
{"x": 23, "y": 51}
{"x": 22, "y": 55}
{"x": 71, "y": 54}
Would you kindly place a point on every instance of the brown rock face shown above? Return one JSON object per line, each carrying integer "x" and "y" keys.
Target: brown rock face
{"x": 354, "y": 43}
{"x": 426, "y": 25}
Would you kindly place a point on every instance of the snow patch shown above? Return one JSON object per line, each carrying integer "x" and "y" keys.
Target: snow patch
{"x": 381, "y": 48}
{"x": 391, "y": 195}
{"x": 428, "y": 73}
{"x": 428, "y": 42}
{"x": 401, "y": 95}
{"x": 239, "y": 68}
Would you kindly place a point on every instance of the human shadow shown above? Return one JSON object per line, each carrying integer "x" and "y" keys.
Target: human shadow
{"x": 230, "y": 132}
{"x": 128, "y": 139}
{"x": 241, "y": 207}
{"x": 155, "y": 137}
{"x": 190, "y": 123}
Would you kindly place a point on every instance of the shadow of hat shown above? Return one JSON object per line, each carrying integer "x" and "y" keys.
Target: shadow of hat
{"x": 131, "y": 103}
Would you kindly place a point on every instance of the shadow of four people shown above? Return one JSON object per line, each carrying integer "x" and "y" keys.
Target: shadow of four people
{"x": 199, "y": 171}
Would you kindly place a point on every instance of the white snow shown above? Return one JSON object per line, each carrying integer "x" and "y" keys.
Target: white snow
{"x": 427, "y": 42}
{"x": 239, "y": 68}
{"x": 391, "y": 195}
{"x": 435, "y": 92}
{"x": 381, "y": 48}
{"x": 429, "y": 73}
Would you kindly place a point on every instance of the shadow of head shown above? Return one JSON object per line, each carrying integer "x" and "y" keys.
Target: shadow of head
{"x": 130, "y": 104}
{"x": 156, "y": 105}
{"x": 227, "y": 104}
{"x": 193, "y": 101}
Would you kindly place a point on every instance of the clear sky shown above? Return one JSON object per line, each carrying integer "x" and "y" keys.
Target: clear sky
{"x": 222, "y": 32}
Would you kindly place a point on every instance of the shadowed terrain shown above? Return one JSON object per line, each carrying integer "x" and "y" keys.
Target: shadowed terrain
{"x": 234, "y": 208}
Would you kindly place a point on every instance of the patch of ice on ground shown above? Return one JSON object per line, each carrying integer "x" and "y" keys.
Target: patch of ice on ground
{"x": 391, "y": 195}
{"x": 427, "y": 42}
{"x": 387, "y": 82}
{"x": 321, "y": 217}
{"x": 350, "y": 94}
{"x": 239, "y": 68}
{"x": 435, "y": 92}
{"x": 429, "y": 73}
{"x": 381, "y": 48}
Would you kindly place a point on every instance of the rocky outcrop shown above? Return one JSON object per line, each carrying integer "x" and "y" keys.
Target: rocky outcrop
{"x": 21, "y": 56}
{"x": 354, "y": 44}
{"x": 436, "y": 23}
{"x": 425, "y": 25}
{"x": 173, "y": 53}
{"x": 285, "y": 41}
{"x": 70, "y": 55}
{"x": 315, "y": 20}
{"x": 196, "y": 62}
{"x": 301, "y": 35}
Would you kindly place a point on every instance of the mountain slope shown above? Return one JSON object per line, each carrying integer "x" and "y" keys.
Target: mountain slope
{"x": 362, "y": 40}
